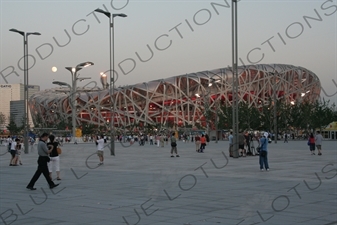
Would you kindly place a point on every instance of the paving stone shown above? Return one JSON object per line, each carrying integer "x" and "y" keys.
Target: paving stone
{"x": 194, "y": 189}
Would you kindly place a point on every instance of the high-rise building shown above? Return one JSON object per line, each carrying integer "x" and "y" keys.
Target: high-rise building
{"x": 12, "y": 102}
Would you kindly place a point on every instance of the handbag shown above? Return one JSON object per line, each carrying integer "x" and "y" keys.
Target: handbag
{"x": 59, "y": 151}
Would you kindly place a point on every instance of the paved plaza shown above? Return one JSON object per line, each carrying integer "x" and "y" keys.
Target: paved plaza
{"x": 144, "y": 185}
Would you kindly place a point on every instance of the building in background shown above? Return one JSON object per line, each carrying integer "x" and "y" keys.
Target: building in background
{"x": 180, "y": 100}
{"x": 12, "y": 102}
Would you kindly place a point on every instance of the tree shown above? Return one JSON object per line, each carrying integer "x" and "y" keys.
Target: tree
{"x": 225, "y": 117}
{"x": 2, "y": 118}
{"x": 283, "y": 115}
{"x": 61, "y": 124}
{"x": 248, "y": 117}
{"x": 13, "y": 128}
{"x": 88, "y": 128}
{"x": 334, "y": 112}
{"x": 39, "y": 123}
{"x": 321, "y": 115}
{"x": 266, "y": 117}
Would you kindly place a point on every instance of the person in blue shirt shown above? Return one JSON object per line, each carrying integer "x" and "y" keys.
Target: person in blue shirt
{"x": 263, "y": 156}
{"x": 230, "y": 139}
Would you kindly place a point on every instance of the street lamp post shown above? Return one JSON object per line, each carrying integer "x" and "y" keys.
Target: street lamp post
{"x": 216, "y": 103}
{"x": 72, "y": 89}
{"x": 112, "y": 70}
{"x": 207, "y": 105}
{"x": 275, "y": 110}
{"x": 235, "y": 76}
{"x": 25, "y": 83}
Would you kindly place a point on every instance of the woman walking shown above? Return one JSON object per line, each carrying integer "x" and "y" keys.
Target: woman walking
{"x": 54, "y": 158}
{"x": 14, "y": 152}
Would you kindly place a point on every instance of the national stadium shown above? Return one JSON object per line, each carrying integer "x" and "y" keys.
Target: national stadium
{"x": 179, "y": 100}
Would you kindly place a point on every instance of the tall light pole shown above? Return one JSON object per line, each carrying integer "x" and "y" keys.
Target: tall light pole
{"x": 72, "y": 89}
{"x": 275, "y": 109}
{"x": 235, "y": 76}
{"x": 213, "y": 81}
{"x": 112, "y": 70}
{"x": 25, "y": 83}
{"x": 206, "y": 101}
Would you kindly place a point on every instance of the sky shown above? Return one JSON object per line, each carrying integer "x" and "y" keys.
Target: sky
{"x": 163, "y": 38}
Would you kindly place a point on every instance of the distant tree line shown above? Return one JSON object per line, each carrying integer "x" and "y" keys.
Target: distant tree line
{"x": 303, "y": 116}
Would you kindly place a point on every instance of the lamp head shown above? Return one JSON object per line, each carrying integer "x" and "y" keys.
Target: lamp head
{"x": 60, "y": 83}
{"x": 119, "y": 14}
{"x": 85, "y": 64}
{"x": 17, "y": 31}
{"x": 69, "y": 68}
{"x": 84, "y": 78}
{"x": 104, "y": 12}
{"x": 33, "y": 33}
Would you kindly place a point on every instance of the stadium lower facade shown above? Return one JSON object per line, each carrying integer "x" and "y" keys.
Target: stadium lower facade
{"x": 180, "y": 100}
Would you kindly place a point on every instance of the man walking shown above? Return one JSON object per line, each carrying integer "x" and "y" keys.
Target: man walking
{"x": 318, "y": 142}
{"x": 241, "y": 140}
{"x": 174, "y": 146}
{"x": 285, "y": 138}
{"x": 197, "y": 143}
{"x": 247, "y": 142}
{"x": 42, "y": 162}
{"x": 100, "y": 149}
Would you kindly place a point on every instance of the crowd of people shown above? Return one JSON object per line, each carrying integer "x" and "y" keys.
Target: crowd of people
{"x": 49, "y": 158}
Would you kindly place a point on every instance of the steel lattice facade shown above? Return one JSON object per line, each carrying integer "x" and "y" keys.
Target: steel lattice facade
{"x": 174, "y": 100}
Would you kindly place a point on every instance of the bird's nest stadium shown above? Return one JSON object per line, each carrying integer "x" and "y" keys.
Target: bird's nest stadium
{"x": 178, "y": 100}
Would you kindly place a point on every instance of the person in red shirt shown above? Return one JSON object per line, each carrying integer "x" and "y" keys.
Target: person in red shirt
{"x": 311, "y": 143}
{"x": 202, "y": 143}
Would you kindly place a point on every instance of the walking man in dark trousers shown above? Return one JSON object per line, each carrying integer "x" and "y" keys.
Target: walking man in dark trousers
{"x": 42, "y": 162}
{"x": 285, "y": 138}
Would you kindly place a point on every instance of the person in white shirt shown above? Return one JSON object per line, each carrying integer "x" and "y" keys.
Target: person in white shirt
{"x": 100, "y": 149}
{"x": 9, "y": 141}
{"x": 151, "y": 139}
{"x": 14, "y": 148}
{"x": 318, "y": 142}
